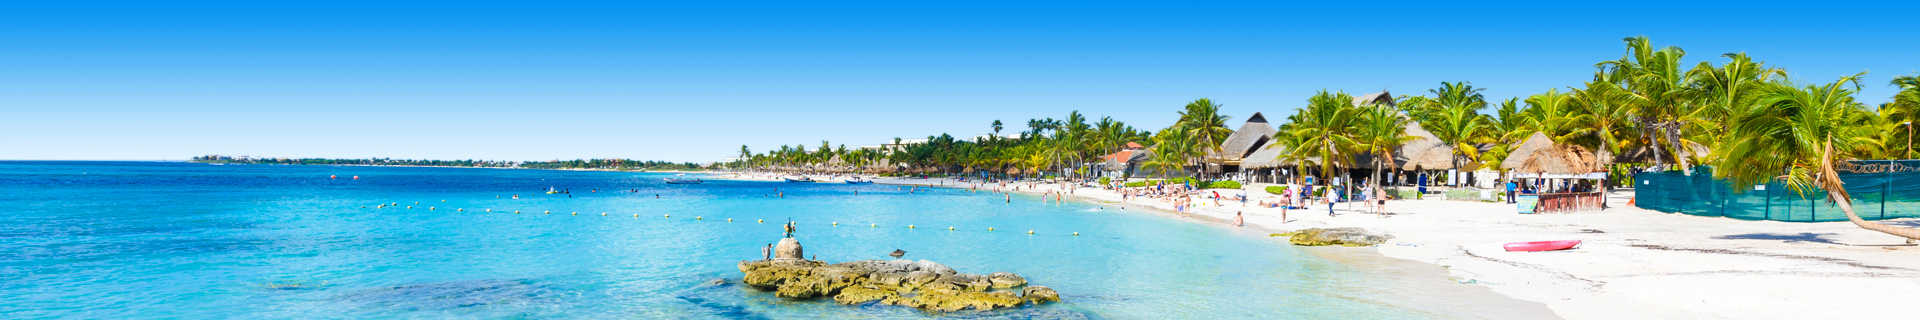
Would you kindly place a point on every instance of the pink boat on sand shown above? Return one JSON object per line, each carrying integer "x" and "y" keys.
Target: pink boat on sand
{"x": 1543, "y": 245}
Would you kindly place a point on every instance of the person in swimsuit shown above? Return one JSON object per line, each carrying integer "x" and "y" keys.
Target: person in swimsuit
{"x": 1238, "y": 220}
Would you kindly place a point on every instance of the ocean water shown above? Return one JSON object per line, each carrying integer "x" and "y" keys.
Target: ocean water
{"x": 111, "y": 240}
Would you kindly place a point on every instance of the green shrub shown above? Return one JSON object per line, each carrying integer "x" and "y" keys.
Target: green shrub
{"x": 1277, "y": 190}
{"x": 1105, "y": 181}
{"x": 1196, "y": 183}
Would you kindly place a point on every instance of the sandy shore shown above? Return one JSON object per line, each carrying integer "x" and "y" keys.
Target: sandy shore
{"x": 1633, "y": 264}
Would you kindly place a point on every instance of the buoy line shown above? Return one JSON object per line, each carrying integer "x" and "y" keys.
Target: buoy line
{"x": 699, "y": 218}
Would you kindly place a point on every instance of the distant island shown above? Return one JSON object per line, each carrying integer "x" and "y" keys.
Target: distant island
{"x": 577, "y": 164}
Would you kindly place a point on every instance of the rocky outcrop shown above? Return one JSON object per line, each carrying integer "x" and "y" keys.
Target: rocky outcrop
{"x": 1351, "y": 237}
{"x": 1003, "y": 280}
{"x": 1039, "y": 294}
{"x": 920, "y": 284}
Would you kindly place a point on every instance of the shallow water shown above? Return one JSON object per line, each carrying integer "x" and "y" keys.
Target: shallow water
{"x": 176, "y": 240}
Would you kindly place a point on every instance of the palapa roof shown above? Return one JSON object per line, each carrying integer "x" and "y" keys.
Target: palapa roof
{"x": 1382, "y": 97}
{"x": 1254, "y": 134}
{"x": 1534, "y": 144}
{"x": 1538, "y": 154}
{"x": 1267, "y": 157}
{"x": 1426, "y": 151}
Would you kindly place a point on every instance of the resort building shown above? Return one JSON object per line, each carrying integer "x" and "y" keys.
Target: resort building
{"x": 1254, "y": 135}
{"x": 1126, "y": 163}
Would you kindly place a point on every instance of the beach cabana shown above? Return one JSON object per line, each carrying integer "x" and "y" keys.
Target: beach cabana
{"x": 1565, "y": 177}
{"x": 1255, "y": 133}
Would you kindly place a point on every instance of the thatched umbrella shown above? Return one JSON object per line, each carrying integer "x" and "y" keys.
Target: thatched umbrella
{"x": 1538, "y": 154}
{"x": 1013, "y": 171}
{"x": 1425, "y": 151}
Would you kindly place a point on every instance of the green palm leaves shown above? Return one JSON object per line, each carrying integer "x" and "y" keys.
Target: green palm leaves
{"x": 1324, "y": 133}
{"x": 1453, "y": 116}
{"x": 1783, "y": 132}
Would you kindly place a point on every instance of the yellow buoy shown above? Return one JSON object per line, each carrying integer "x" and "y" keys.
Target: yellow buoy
{"x": 489, "y": 210}
{"x": 761, "y": 220}
{"x": 547, "y": 212}
{"x": 460, "y": 209}
{"x": 949, "y": 228}
{"x": 603, "y": 214}
{"x": 636, "y": 215}
{"x": 409, "y": 207}
{"x": 909, "y": 226}
{"x": 697, "y": 218}
{"x": 669, "y": 215}
{"x": 576, "y": 213}
{"x": 989, "y": 228}
{"x": 1029, "y": 231}
{"x": 416, "y": 202}
{"x": 1076, "y": 233}
{"x": 516, "y": 212}
{"x": 429, "y": 208}
{"x": 836, "y": 223}
{"x": 876, "y": 225}
{"x": 443, "y": 200}
{"x": 729, "y": 219}
{"x": 363, "y": 207}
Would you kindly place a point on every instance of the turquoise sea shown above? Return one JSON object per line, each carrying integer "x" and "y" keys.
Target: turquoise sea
{"x": 117, "y": 240}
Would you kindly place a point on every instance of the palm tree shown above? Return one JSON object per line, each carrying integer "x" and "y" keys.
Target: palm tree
{"x": 1657, "y": 94}
{"x": 1795, "y": 135}
{"x": 1903, "y": 111}
{"x": 1453, "y": 116}
{"x": 1202, "y": 122}
{"x": 1603, "y": 101}
{"x": 1382, "y": 130}
{"x": 997, "y": 126}
{"x": 1322, "y": 134}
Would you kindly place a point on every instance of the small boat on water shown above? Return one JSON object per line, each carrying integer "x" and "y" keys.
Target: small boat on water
{"x": 859, "y": 181}
{"x": 801, "y": 179}
{"x": 684, "y": 181}
{"x": 1543, "y": 245}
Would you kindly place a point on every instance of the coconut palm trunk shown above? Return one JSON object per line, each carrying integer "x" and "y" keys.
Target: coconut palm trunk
{"x": 1837, "y": 193}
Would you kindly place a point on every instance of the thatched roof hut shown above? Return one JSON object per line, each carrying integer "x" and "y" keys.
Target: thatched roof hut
{"x": 1538, "y": 154}
{"x": 1383, "y": 97}
{"x": 1254, "y": 134}
{"x": 1426, "y": 152}
{"x": 1268, "y": 157}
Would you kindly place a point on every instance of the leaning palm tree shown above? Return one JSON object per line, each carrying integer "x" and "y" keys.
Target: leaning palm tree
{"x": 1794, "y": 134}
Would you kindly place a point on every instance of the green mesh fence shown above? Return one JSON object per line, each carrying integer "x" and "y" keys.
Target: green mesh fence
{"x": 1890, "y": 191}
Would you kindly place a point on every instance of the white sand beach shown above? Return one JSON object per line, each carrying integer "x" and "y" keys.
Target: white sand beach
{"x": 1633, "y": 264}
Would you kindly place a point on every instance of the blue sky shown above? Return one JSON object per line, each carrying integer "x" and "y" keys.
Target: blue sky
{"x": 687, "y": 81}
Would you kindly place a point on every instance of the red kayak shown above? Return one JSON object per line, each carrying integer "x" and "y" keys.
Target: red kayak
{"x": 1543, "y": 245}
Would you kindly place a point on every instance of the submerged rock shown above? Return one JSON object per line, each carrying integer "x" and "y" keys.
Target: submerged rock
{"x": 1352, "y": 237}
{"x": 920, "y": 284}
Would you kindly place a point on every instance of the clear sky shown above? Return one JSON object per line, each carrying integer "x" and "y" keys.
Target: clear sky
{"x": 693, "y": 81}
